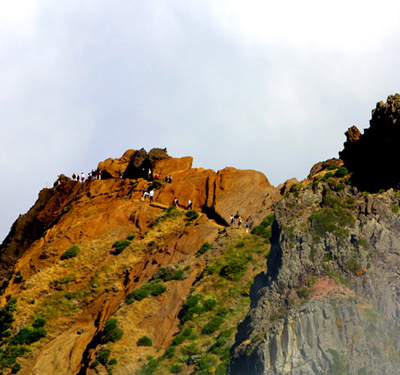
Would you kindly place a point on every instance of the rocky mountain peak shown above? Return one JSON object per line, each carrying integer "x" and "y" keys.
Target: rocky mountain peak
{"x": 373, "y": 157}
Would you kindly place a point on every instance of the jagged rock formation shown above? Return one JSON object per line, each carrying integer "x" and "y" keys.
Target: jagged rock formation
{"x": 301, "y": 321}
{"x": 373, "y": 157}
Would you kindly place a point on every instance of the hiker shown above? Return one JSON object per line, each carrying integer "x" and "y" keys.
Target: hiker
{"x": 82, "y": 177}
{"x": 145, "y": 195}
{"x": 166, "y": 178}
{"x": 247, "y": 225}
{"x": 240, "y": 223}
{"x": 120, "y": 173}
{"x": 151, "y": 195}
{"x": 232, "y": 220}
{"x": 190, "y": 205}
{"x": 73, "y": 176}
{"x": 176, "y": 202}
{"x": 170, "y": 179}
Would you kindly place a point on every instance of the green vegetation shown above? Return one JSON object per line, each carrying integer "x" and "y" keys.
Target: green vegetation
{"x": 144, "y": 341}
{"x": 170, "y": 213}
{"x": 131, "y": 237}
{"x": 209, "y": 317}
{"x": 295, "y": 189}
{"x": 154, "y": 289}
{"x": 150, "y": 367}
{"x": 203, "y": 249}
{"x": 213, "y": 325}
{"x": 191, "y": 215}
{"x": 167, "y": 274}
{"x": 71, "y": 252}
{"x": 111, "y": 331}
{"x": 14, "y": 347}
{"x": 333, "y": 217}
{"x": 303, "y": 292}
{"x": 120, "y": 246}
{"x": 103, "y": 355}
{"x": 18, "y": 277}
{"x": 340, "y": 364}
{"x": 7, "y": 317}
{"x": 341, "y": 172}
{"x": 28, "y": 336}
{"x": 264, "y": 229}
{"x": 176, "y": 368}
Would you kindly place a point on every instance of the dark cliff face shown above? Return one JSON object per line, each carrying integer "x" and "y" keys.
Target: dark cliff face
{"x": 374, "y": 156}
{"x": 330, "y": 299}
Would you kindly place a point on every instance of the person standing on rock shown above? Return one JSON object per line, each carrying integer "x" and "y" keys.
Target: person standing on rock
{"x": 176, "y": 202}
{"x": 120, "y": 174}
{"x": 240, "y": 223}
{"x": 151, "y": 195}
{"x": 232, "y": 221}
{"x": 190, "y": 205}
{"x": 247, "y": 225}
{"x": 82, "y": 177}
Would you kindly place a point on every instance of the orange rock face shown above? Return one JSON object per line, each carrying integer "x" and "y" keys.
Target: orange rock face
{"x": 97, "y": 213}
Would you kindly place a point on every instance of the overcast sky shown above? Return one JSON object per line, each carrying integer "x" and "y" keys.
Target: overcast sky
{"x": 263, "y": 85}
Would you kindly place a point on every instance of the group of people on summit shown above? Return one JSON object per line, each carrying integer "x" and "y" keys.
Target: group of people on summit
{"x": 149, "y": 195}
{"x": 94, "y": 174}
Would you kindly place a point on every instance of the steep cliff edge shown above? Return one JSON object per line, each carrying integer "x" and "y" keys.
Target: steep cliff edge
{"x": 329, "y": 302}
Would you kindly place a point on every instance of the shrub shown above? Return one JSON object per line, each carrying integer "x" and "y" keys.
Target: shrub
{"x": 120, "y": 246}
{"x": 213, "y": 325}
{"x": 155, "y": 289}
{"x": 203, "y": 249}
{"x": 209, "y": 304}
{"x": 103, "y": 355}
{"x": 333, "y": 217}
{"x": 179, "y": 339}
{"x": 264, "y": 229}
{"x": 170, "y": 352}
{"x": 18, "y": 277}
{"x": 144, "y": 341}
{"x": 190, "y": 349}
{"x": 131, "y": 237}
{"x": 191, "y": 215}
{"x": 39, "y": 322}
{"x": 192, "y": 307}
{"x": 17, "y": 366}
{"x": 170, "y": 273}
{"x": 111, "y": 331}
{"x": 71, "y": 252}
{"x": 150, "y": 367}
{"x": 303, "y": 292}
{"x": 112, "y": 362}
{"x": 7, "y": 317}
{"x": 327, "y": 176}
{"x": 341, "y": 172}
{"x": 233, "y": 268}
{"x": 28, "y": 336}
{"x": 176, "y": 368}
{"x": 205, "y": 363}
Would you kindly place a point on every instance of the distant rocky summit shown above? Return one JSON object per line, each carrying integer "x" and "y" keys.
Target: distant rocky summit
{"x": 374, "y": 157}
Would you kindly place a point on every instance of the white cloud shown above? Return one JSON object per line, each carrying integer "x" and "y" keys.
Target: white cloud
{"x": 262, "y": 85}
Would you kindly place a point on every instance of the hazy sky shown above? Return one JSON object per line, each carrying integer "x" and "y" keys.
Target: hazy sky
{"x": 263, "y": 85}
